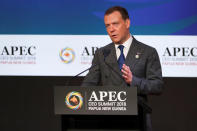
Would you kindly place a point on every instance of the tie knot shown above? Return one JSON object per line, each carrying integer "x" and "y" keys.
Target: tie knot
{"x": 121, "y": 47}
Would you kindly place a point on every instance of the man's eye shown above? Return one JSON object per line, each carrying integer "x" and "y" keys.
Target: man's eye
{"x": 106, "y": 26}
{"x": 115, "y": 24}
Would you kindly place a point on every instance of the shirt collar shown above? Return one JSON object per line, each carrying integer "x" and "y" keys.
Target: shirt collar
{"x": 126, "y": 44}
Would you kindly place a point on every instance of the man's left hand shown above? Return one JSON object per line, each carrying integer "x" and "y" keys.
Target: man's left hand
{"x": 127, "y": 74}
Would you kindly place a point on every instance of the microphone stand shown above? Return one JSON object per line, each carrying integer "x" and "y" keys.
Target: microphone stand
{"x": 68, "y": 82}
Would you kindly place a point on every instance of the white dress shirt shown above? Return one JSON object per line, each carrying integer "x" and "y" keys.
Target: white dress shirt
{"x": 126, "y": 45}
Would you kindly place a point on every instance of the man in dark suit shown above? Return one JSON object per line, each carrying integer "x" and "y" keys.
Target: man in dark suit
{"x": 125, "y": 62}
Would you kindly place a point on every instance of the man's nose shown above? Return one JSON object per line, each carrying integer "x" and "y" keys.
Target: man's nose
{"x": 111, "y": 28}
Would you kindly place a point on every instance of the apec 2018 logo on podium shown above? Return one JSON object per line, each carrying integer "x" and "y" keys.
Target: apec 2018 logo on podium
{"x": 107, "y": 101}
{"x": 95, "y": 100}
{"x": 74, "y": 100}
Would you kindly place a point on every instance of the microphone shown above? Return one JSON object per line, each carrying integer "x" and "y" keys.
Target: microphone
{"x": 68, "y": 82}
{"x": 106, "y": 52}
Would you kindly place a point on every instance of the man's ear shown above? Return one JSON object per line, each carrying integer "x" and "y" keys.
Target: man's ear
{"x": 128, "y": 23}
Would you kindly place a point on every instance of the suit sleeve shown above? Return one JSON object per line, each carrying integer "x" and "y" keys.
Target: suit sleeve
{"x": 93, "y": 77}
{"x": 152, "y": 83}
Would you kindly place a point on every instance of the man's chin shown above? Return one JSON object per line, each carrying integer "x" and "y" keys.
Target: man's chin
{"x": 115, "y": 41}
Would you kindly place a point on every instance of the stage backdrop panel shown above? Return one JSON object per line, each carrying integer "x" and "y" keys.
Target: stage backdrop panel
{"x": 67, "y": 55}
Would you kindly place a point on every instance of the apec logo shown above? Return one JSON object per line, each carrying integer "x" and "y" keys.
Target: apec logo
{"x": 13, "y": 55}
{"x": 109, "y": 96}
{"x": 181, "y": 51}
{"x": 67, "y": 55}
{"x": 18, "y": 50}
{"x": 74, "y": 100}
{"x": 87, "y": 55}
{"x": 89, "y": 51}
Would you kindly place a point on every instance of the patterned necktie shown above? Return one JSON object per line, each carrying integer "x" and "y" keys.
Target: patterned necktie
{"x": 121, "y": 59}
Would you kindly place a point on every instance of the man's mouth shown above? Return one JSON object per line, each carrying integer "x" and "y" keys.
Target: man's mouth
{"x": 114, "y": 36}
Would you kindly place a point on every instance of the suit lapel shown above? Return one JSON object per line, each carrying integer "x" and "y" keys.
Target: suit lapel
{"x": 133, "y": 55}
{"x": 112, "y": 59}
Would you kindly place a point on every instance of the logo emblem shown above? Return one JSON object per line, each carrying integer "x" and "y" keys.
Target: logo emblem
{"x": 67, "y": 55}
{"x": 74, "y": 100}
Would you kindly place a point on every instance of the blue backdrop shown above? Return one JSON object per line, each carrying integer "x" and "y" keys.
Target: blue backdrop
{"x": 148, "y": 17}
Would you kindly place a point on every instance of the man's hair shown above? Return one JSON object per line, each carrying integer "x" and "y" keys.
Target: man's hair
{"x": 120, "y": 9}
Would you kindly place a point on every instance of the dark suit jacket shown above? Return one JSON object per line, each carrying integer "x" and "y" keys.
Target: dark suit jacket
{"x": 144, "y": 64}
{"x": 143, "y": 61}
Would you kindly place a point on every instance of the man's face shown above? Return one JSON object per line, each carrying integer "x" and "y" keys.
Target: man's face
{"x": 117, "y": 28}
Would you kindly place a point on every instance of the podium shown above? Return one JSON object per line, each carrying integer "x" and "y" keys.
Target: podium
{"x": 99, "y": 108}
